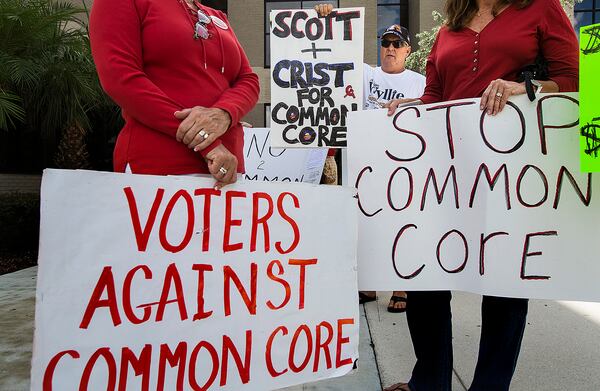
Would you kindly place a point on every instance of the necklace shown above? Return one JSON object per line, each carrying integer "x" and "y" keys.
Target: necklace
{"x": 191, "y": 5}
{"x": 193, "y": 11}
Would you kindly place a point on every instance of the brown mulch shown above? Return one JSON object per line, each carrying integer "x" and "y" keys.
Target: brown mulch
{"x": 11, "y": 261}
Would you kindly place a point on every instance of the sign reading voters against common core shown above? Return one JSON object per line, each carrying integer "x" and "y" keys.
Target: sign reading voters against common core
{"x": 451, "y": 198}
{"x": 316, "y": 76}
{"x": 164, "y": 283}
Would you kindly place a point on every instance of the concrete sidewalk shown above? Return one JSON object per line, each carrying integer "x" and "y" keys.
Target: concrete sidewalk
{"x": 561, "y": 349}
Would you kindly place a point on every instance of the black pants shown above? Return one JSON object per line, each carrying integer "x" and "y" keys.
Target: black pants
{"x": 430, "y": 323}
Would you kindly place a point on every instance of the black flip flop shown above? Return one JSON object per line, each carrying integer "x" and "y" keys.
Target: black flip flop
{"x": 397, "y": 299}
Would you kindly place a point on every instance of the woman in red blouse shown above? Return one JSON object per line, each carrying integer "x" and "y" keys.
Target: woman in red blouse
{"x": 183, "y": 83}
{"x": 478, "y": 53}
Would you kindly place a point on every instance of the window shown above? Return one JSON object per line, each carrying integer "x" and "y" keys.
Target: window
{"x": 391, "y": 12}
{"x": 271, "y": 5}
{"x": 587, "y": 12}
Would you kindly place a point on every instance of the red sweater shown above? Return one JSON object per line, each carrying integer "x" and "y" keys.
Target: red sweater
{"x": 151, "y": 66}
{"x": 463, "y": 63}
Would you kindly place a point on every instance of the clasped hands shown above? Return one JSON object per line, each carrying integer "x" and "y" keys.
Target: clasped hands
{"x": 199, "y": 128}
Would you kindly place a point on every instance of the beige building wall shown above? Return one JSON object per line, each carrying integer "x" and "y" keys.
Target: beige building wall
{"x": 420, "y": 18}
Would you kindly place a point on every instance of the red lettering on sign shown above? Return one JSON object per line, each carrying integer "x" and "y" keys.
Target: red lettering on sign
{"x": 230, "y": 222}
{"x": 290, "y": 221}
{"x": 189, "y": 230}
{"x": 49, "y": 372}
{"x": 175, "y": 359}
{"x": 323, "y": 345}
{"x": 256, "y": 197}
{"x": 250, "y": 301}
{"x": 106, "y": 282}
{"x": 214, "y": 357}
{"x": 201, "y": 314}
{"x": 207, "y": 193}
{"x": 284, "y": 283}
{"x": 127, "y": 308}
{"x": 230, "y": 349}
{"x": 309, "y": 346}
{"x": 268, "y": 358}
{"x": 110, "y": 364}
{"x": 140, "y": 365}
{"x": 172, "y": 278}
{"x": 339, "y": 362}
{"x": 303, "y": 263}
{"x": 142, "y": 235}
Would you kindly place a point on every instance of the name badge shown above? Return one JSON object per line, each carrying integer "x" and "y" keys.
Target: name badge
{"x": 219, "y": 22}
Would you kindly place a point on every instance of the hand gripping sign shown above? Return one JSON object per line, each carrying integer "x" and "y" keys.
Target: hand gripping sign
{"x": 451, "y": 198}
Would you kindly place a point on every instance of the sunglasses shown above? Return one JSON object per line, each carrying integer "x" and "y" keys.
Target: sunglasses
{"x": 201, "y": 28}
{"x": 386, "y": 43}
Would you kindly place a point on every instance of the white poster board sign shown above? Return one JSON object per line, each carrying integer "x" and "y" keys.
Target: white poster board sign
{"x": 163, "y": 283}
{"x": 451, "y": 198}
{"x": 265, "y": 163}
{"x": 316, "y": 76}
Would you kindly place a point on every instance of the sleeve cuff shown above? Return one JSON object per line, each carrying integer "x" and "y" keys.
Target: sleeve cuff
{"x": 229, "y": 110}
{"x": 427, "y": 99}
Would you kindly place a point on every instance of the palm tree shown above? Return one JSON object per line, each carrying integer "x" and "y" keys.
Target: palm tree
{"x": 48, "y": 82}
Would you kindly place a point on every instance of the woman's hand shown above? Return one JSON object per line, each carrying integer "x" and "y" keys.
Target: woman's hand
{"x": 323, "y": 9}
{"x": 496, "y": 95}
{"x": 200, "y": 126}
{"x": 394, "y": 103}
{"x": 222, "y": 165}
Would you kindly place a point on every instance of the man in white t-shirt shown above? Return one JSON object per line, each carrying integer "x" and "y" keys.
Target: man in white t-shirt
{"x": 382, "y": 84}
{"x": 391, "y": 80}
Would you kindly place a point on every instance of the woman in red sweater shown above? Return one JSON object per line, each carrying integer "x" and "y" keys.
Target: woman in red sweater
{"x": 183, "y": 82}
{"x": 479, "y": 53}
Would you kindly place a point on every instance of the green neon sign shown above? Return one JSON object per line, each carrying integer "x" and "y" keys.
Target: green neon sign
{"x": 589, "y": 97}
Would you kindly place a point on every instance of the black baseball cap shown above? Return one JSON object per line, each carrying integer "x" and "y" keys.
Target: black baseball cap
{"x": 398, "y": 31}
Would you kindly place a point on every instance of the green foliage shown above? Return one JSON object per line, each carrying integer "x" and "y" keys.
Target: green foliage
{"x": 569, "y": 3}
{"x": 48, "y": 81}
{"x": 10, "y": 110}
{"x": 417, "y": 61}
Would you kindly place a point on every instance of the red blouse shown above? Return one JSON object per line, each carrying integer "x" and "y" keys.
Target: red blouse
{"x": 463, "y": 63}
{"x": 150, "y": 64}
